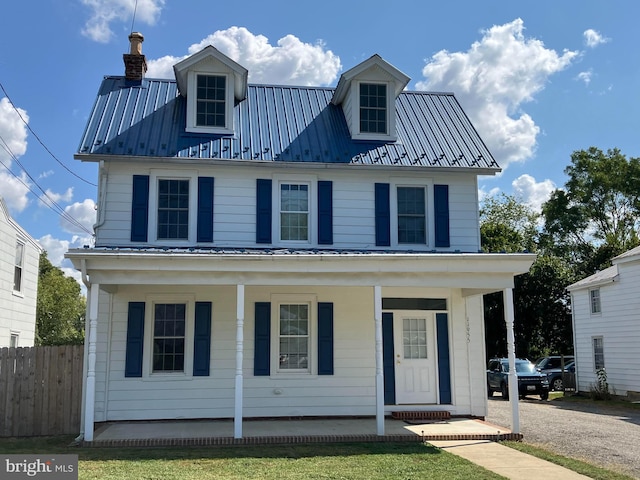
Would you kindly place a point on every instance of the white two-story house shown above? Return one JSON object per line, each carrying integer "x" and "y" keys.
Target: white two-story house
{"x": 280, "y": 251}
{"x": 19, "y": 262}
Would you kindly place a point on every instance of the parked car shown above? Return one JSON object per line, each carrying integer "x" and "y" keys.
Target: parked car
{"x": 530, "y": 380}
{"x": 554, "y": 361}
{"x": 555, "y": 375}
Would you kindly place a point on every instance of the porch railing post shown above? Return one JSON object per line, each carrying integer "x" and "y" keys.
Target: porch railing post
{"x": 237, "y": 419}
{"x": 511, "y": 351}
{"x": 90, "y": 398}
{"x": 377, "y": 298}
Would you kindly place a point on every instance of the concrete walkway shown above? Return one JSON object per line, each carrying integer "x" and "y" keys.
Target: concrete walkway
{"x": 506, "y": 461}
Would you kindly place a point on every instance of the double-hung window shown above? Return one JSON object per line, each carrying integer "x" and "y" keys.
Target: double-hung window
{"x": 598, "y": 353}
{"x": 211, "y": 103}
{"x": 594, "y": 298}
{"x": 173, "y": 209}
{"x": 18, "y": 267}
{"x": 412, "y": 226}
{"x": 293, "y": 347}
{"x": 294, "y": 212}
{"x": 373, "y": 108}
{"x": 169, "y": 327}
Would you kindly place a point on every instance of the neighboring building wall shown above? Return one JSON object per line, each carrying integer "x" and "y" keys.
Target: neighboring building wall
{"x": 618, "y": 324}
{"x": 353, "y": 204}
{"x": 18, "y": 307}
{"x": 349, "y": 391}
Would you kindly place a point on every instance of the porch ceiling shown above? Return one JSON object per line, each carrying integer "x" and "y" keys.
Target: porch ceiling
{"x": 475, "y": 272}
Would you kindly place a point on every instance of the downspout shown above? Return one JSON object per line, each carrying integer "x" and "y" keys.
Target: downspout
{"x": 87, "y": 284}
{"x": 101, "y": 198}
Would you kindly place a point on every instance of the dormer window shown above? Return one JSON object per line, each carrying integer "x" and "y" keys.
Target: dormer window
{"x": 373, "y": 108}
{"x": 211, "y": 101}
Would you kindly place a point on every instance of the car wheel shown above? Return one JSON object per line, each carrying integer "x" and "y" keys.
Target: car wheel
{"x": 489, "y": 391}
{"x": 544, "y": 395}
{"x": 505, "y": 391}
{"x": 557, "y": 384}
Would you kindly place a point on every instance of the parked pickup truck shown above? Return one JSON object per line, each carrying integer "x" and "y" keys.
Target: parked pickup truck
{"x": 530, "y": 380}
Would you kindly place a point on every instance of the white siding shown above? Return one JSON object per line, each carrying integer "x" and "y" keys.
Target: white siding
{"x": 350, "y": 391}
{"x": 618, "y": 324}
{"x": 18, "y": 311}
{"x": 353, "y": 204}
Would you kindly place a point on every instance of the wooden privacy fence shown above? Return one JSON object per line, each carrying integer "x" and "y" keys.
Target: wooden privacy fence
{"x": 40, "y": 390}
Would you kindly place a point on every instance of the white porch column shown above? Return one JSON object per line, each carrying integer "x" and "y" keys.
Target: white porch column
{"x": 511, "y": 350}
{"x": 377, "y": 298}
{"x": 237, "y": 419}
{"x": 90, "y": 398}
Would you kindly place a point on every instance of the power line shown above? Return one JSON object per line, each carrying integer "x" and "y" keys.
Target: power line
{"x": 135, "y": 8}
{"x": 50, "y": 203}
{"x": 41, "y": 142}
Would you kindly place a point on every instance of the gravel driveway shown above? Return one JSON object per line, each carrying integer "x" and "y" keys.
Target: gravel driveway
{"x": 602, "y": 435}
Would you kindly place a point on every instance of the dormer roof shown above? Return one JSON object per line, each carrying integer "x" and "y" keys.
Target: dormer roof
{"x": 212, "y": 59}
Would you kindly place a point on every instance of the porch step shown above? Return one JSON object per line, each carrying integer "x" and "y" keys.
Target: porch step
{"x": 435, "y": 415}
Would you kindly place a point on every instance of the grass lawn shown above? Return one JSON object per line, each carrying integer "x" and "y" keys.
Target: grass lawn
{"x": 322, "y": 461}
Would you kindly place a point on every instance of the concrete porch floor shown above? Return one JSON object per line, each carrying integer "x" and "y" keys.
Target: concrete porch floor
{"x": 283, "y": 431}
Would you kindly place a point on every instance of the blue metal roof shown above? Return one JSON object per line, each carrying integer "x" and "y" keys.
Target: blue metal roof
{"x": 280, "y": 123}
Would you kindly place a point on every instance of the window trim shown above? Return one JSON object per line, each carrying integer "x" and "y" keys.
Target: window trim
{"x": 595, "y": 301}
{"x": 13, "y": 334}
{"x": 312, "y": 182}
{"x": 390, "y": 112}
{"x": 20, "y": 290}
{"x": 312, "y": 363}
{"x": 192, "y": 103}
{"x": 597, "y": 339}
{"x": 427, "y": 184}
{"x": 154, "y": 176}
{"x": 147, "y": 362}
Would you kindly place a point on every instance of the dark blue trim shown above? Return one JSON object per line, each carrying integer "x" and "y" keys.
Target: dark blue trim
{"x": 202, "y": 339}
{"x": 383, "y": 215}
{"x": 388, "y": 360}
{"x": 262, "y": 353}
{"x": 325, "y": 338}
{"x": 263, "y": 211}
{"x": 205, "y": 209}
{"x": 441, "y": 210}
{"x": 444, "y": 364}
{"x": 140, "y": 208}
{"x": 135, "y": 340}
{"x": 325, "y": 212}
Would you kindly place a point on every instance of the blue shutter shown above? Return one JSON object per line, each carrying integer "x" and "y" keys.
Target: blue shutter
{"x": 325, "y": 213}
{"x": 205, "y": 209}
{"x": 135, "y": 340}
{"x": 388, "y": 360}
{"x": 140, "y": 208}
{"x": 383, "y": 215}
{"x": 202, "y": 340}
{"x": 444, "y": 366}
{"x": 263, "y": 211}
{"x": 262, "y": 354}
{"x": 325, "y": 338}
{"x": 441, "y": 209}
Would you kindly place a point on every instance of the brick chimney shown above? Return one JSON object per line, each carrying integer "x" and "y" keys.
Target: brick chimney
{"x": 135, "y": 63}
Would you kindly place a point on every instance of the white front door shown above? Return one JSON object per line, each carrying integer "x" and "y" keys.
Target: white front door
{"x": 415, "y": 357}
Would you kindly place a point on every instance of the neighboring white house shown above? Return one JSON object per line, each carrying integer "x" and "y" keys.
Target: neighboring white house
{"x": 19, "y": 260}
{"x": 606, "y": 325}
{"x": 279, "y": 251}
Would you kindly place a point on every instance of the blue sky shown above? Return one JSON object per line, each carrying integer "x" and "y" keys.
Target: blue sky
{"x": 538, "y": 79}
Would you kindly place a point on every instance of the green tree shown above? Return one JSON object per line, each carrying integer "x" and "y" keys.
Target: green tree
{"x": 60, "y": 310}
{"x": 596, "y": 216}
{"x": 507, "y": 225}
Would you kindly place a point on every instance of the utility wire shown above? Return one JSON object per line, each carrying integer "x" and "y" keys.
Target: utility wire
{"x": 135, "y": 8}
{"x": 49, "y": 202}
{"x": 41, "y": 142}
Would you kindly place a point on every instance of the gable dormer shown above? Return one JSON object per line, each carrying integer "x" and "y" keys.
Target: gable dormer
{"x": 212, "y": 83}
{"x": 367, "y": 94}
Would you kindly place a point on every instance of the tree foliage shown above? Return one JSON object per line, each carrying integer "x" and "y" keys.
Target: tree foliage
{"x": 507, "y": 225}
{"x": 60, "y": 310}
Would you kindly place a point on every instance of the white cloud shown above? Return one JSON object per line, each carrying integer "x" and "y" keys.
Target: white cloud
{"x": 533, "y": 193}
{"x": 290, "y": 61}
{"x": 84, "y": 212}
{"x": 585, "y": 76}
{"x": 483, "y": 194}
{"x": 56, "y": 249}
{"x": 46, "y": 174}
{"x": 105, "y": 12}
{"x": 13, "y": 132}
{"x": 593, "y": 38}
{"x": 50, "y": 197}
{"x": 493, "y": 79}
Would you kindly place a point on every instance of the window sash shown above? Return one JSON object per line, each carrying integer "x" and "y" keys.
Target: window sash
{"x": 373, "y": 108}
{"x": 211, "y": 101}
{"x": 595, "y": 301}
{"x": 17, "y": 271}
{"x": 169, "y": 335}
{"x": 294, "y": 212}
{"x": 412, "y": 218}
{"x": 293, "y": 341}
{"x": 414, "y": 337}
{"x": 598, "y": 353}
{"x": 173, "y": 209}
